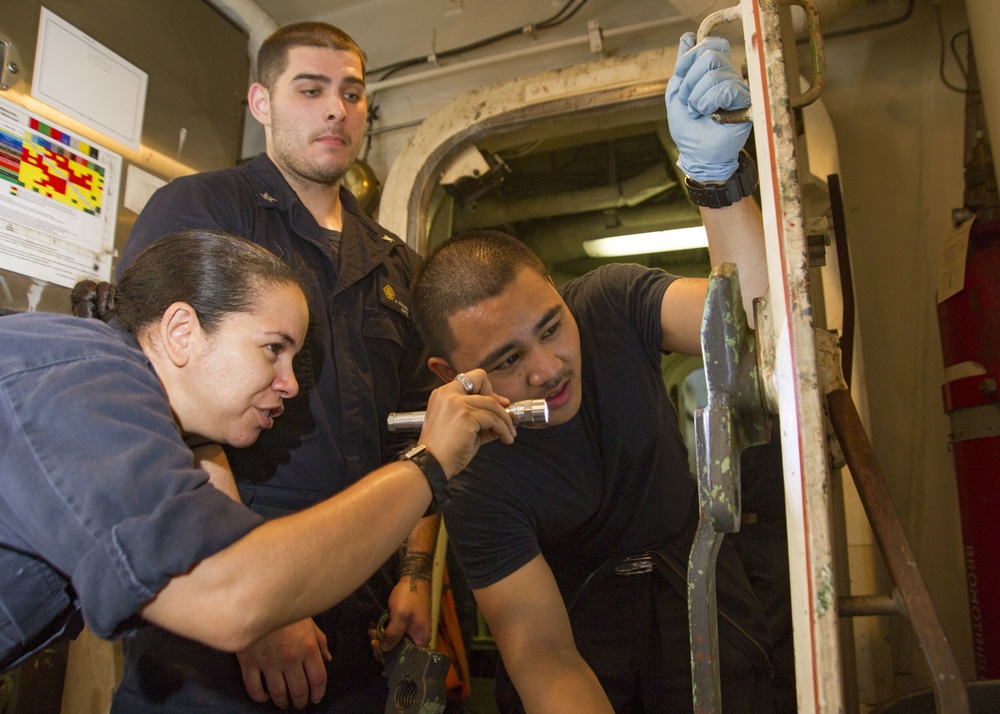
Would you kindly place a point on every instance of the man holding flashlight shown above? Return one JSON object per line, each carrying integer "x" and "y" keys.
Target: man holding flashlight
{"x": 575, "y": 540}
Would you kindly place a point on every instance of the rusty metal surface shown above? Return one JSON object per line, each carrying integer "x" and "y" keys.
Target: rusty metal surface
{"x": 721, "y": 17}
{"x": 733, "y": 419}
{"x": 862, "y": 605}
{"x": 817, "y": 56}
{"x": 949, "y": 689}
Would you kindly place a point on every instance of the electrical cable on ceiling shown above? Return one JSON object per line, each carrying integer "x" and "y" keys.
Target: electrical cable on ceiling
{"x": 865, "y": 28}
{"x": 564, "y": 14}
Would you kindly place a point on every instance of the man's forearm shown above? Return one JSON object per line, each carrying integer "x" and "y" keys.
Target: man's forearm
{"x": 417, "y": 554}
{"x": 736, "y": 235}
{"x": 543, "y": 678}
{"x": 528, "y": 619}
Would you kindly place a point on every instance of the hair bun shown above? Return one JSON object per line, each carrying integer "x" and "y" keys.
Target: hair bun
{"x": 93, "y": 299}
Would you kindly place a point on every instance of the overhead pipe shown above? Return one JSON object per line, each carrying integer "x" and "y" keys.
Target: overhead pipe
{"x": 465, "y": 65}
{"x": 698, "y": 10}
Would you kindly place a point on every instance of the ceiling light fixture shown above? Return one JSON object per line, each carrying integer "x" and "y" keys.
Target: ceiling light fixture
{"x": 654, "y": 242}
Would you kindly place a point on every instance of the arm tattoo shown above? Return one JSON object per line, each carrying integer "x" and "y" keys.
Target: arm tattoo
{"x": 418, "y": 566}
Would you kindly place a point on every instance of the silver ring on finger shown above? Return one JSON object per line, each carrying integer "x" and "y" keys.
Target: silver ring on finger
{"x": 466, "y": 383}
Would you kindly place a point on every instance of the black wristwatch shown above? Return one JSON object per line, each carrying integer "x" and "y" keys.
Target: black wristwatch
{"x": 433, "y": 472}
{"x": 719, "y": 195}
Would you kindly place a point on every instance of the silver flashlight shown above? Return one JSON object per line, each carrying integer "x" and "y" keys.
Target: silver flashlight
{"x": 528, "y": 411}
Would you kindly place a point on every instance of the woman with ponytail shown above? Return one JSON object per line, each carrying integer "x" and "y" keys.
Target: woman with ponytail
{"x": 104, "y": 516}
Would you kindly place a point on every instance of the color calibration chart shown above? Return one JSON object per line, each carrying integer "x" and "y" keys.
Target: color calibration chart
{"x": 58, "y": 200}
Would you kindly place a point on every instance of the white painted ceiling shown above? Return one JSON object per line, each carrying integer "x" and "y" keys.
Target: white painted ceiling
{"x": 584, "y": 160}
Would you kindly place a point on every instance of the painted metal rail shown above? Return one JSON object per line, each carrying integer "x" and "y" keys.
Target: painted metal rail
{"x": 790, "y": 369}
{"x": 789, "y": 372}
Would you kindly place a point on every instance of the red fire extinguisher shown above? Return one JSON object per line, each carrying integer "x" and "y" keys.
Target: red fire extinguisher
{"x": 969, "y": 323}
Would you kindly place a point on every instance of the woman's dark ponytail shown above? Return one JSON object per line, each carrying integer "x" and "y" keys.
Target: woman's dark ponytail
{"x": 216, "y": 273}
{"x": 93, "y": 299}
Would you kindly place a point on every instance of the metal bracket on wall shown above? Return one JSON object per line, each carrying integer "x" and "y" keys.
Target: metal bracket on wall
{"x": 10, "y": 69}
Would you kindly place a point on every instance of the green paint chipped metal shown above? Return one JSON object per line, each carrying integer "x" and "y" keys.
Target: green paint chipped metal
{"x": 825, "y": 595}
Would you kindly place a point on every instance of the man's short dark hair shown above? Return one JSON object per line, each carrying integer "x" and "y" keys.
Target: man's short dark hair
{"x": 462, "y": 272}
{"x": 272, "y": 57}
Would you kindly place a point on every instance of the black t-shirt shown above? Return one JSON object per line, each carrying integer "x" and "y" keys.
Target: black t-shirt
{"x": 611, "y": 481}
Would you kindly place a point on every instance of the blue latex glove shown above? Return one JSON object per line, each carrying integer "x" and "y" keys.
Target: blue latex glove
{"x": 705, "y": 81}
